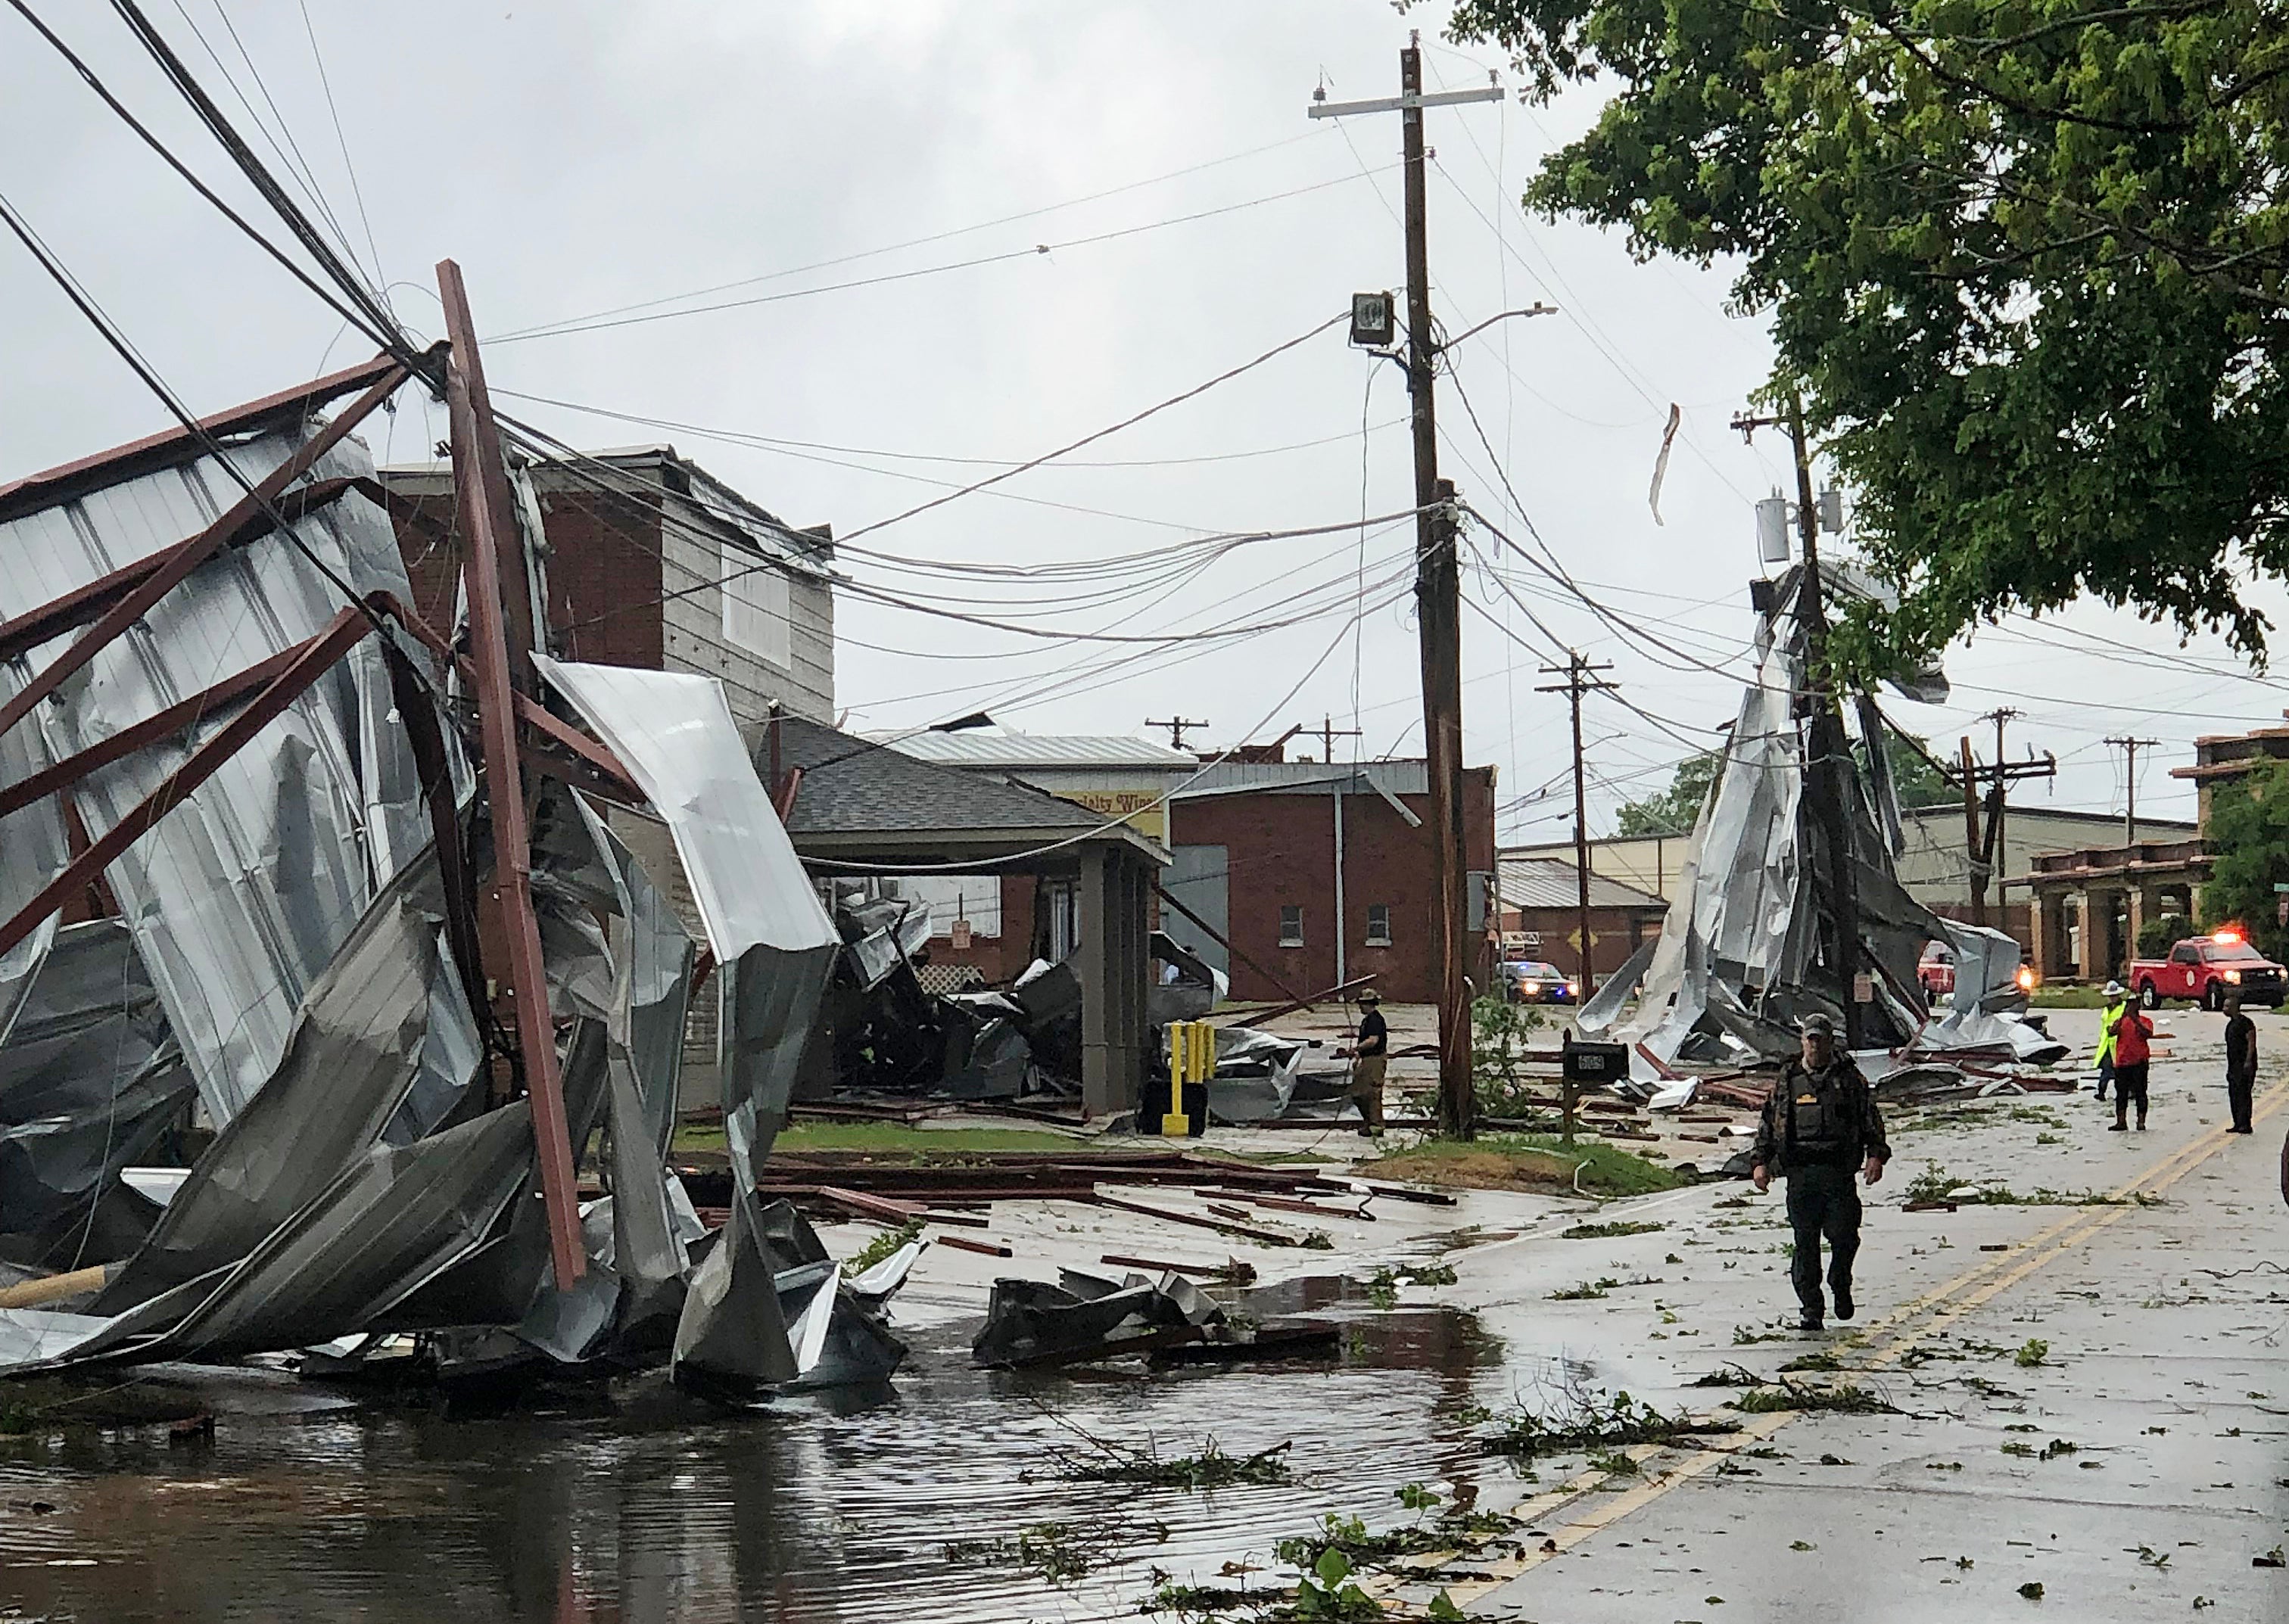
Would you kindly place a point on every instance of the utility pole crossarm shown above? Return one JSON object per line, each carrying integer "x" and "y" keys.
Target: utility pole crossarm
{"x": 2130, "y": 749}
{"x": 1414, "y": 100}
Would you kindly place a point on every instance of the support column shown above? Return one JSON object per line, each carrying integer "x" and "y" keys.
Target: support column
{"x": 2092, "y": 947}
{"x": 2040, "y": 916}
{"x": 1113, "y": 962}
{"x": 2141, "y": 910}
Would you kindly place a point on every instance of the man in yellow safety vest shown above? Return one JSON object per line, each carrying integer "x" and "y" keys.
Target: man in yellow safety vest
{"x": 2118, "y": 1000}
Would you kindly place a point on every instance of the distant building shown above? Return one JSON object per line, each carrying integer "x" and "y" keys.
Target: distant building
{"x": 1934, "y": 867}
{"x": 652, "y": 562}
{"x": 1113, "y": 775}
{"x": 1539, "y": 902}
{"x": 1256, "y": 846}
{"x": 2222, "y": 757}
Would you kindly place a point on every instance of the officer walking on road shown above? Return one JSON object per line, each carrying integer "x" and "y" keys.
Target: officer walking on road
{"x": 1819, "y": 1127}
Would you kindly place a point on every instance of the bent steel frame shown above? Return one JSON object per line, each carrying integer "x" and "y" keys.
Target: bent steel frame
{"x": 513, "y": 729}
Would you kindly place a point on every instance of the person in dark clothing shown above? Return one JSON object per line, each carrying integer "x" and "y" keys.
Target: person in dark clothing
{"x": 1819, "y": 1127}
{"x": 2131, "y": 1057}
{"x": 2241, "y": 1063}
{"x": 1371, "y": 1059}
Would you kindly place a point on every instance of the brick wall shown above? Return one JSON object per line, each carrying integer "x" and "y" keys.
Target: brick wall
{"x": 1002, "y": 958}
{"x": 1281, "y": 852}
{"x": 1615, "y": 934}
{"x": 604, "y": 553}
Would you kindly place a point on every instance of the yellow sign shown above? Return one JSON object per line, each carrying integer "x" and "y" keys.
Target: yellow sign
{"x": 1146, "y": 811}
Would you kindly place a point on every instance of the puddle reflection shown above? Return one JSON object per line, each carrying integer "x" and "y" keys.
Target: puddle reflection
{"x": 654, "y": 1510}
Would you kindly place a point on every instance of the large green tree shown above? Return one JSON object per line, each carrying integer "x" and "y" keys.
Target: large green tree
{"x": 2025, "y": 259}
{"x": 2248, "y": 831}
{"x": 1675, "y": 810}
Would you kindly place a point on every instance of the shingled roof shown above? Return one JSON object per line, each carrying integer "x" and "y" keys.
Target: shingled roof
{"x": 856, "y": 789}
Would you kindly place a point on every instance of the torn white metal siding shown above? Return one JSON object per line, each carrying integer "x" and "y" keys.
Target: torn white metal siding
{"x": 241, "y": 896}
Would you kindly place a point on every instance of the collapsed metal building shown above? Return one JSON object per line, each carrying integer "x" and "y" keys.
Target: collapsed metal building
{"x": 1750, "y": 945}
{"x": 271, "y": 843}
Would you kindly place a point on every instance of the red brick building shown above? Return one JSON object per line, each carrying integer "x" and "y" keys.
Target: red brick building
{"x": 1255, "y": 843}
{"x": 654, "y": 563}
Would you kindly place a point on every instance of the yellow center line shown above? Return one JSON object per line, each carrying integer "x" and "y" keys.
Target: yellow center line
{"x": 2024, "y": 1259}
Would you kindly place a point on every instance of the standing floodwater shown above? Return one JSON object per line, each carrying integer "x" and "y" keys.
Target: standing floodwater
{"x": 655, "y": 1509}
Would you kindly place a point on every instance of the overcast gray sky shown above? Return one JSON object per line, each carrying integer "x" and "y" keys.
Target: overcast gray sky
{"x": 582, "y": 157}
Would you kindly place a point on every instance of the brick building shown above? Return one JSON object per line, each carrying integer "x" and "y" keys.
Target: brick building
{"x": 654, "y": 563}
{"x": 1540, "y": 907}
{"x": 1255, "y": 844}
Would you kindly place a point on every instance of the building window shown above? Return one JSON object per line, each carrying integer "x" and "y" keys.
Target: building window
{"x": 1378, "y": 924}
{"x": 757, "y": 609}
{"x": 1291, "y": 926}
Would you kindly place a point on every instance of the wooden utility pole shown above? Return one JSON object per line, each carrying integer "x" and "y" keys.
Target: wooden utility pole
{"x": 2130, "y": 749}
{"x": 1176, "y": 727}
{"x": 1985, "y": 851}
{"x": 1329, "y": 733}
{"x": 1581, "y": 678}
{"x": 1974, "y": 868}
{"x": 1438, "y": 592}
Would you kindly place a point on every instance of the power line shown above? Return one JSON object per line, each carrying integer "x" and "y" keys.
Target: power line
{"x": 383, "y": 320}
{"x": 382, "y": 338}
{"x": 1037, "y": 251}
{"x": 922, "y": 242}
{"x": 1089, "y": 439}
{"x": 357, "y": 192}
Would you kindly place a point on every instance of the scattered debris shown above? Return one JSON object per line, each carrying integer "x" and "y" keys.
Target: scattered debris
{"x": 1608, "y": 1232}
{"x": 1060, "y": 1553}
{"x": 1585, "y": 1418}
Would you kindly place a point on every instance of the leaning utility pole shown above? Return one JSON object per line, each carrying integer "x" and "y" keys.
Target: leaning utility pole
{"x": 1826, "y": 752}
{"x": 1581, "y": 678}
{"x": 2130, "y": 749}
{"x": 1437, "y": 591}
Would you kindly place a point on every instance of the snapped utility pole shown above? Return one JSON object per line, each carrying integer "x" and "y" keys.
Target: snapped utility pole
{"x": 2130, "y": 749}
{"x": 1826, "y": 752}
{"x": 1437, "y": 591}
{"x": 1986, "y": 850}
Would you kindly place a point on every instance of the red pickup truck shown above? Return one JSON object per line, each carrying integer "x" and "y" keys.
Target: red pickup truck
{"x": 2205, "y": 969}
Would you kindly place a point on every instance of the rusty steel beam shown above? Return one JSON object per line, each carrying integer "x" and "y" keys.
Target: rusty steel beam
{"x": 491, "y": 531}
{"x": 311, "y": 661}
{"x": 151, "y": 730}
{"x": 178, "y": 563}
{"x": 121, "y": 462}
{"x": 83, "y": 604}
{"x": 516, "y": 584}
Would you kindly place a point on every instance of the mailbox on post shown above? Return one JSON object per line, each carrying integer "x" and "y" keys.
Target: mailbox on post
{"x": 1594, "y": 1063}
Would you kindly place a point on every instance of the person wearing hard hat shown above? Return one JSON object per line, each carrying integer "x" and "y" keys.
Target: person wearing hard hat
{"x": 1371, "y": 1059}
{"x": 2118, "y": 1000}
{"x": 1819, "y": 1127}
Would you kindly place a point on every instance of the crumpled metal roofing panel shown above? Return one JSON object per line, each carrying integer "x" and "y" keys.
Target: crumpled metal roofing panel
{"x": 241, "y": 896}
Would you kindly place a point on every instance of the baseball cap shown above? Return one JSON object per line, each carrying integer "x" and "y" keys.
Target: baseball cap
{"x": 1818, "y": 1025}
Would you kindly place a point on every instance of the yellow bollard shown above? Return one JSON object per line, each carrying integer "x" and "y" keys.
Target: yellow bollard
{"x": 1192, "y": 1059}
